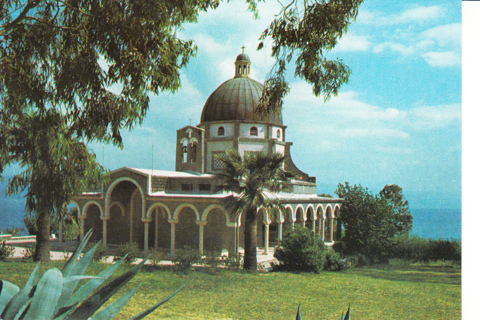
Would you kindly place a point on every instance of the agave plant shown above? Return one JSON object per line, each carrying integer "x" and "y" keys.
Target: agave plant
{"x": 53, "y": 296}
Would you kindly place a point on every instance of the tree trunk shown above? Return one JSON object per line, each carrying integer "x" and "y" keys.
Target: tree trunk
{"x": 250, "y": 259}
{"x": 42, "y": 247}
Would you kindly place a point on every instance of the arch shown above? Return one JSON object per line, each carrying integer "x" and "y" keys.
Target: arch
{"x": 320, "y": 226}
{"x": 155, "y": 205}
{"x": 88, "y": 204}
{"x": 328, "y": 224}
{"x": 310, "y": 207}
{"x": 322, "y": 211}
{"x": 120, "y": 205}
{"x": 79, "y": 209}
{"x": 185, "y": 205}
{"x": 254, "y": 131}
{"x": 110, "y": 190}
{"x": 310, "y": 218}
{"x": 217, "y": 236}
{"x": 193, "y": 152}
{"x": 297, "y": 208}
{"x": 221, "y": 131}
{"x": 279, "y": 134}
{"x": 329, "y": 210}
{"x": 212, "y": 207}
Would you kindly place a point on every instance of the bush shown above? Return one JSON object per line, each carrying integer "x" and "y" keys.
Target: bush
{"x": 5, "y": 251}
{"x": 186, "y": 257}
{"x": 333, "y": 261}
{"x": 100, "y": 253}
{"x": 419, "y": 249}
{"x": 129, "y": 249}
{"x": 301, "y": 250}
{"x": 155, "y": 256}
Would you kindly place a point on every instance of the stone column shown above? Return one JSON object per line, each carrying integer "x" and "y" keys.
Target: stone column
{"x": 280, "y": 231}
{"x": 313, "y": 225}
{"x": 267, "y": 231}
{"x": 322, "y": 229}
{"x": 201, "y": 225}
{"x": 156, "y": 228}
{"x": 172, "y": 236}
{"x": 145, "y": 233}
{"x": 331, "y": 229}
{"x": 104, "y": 241}
{"x": 82, "y": 227}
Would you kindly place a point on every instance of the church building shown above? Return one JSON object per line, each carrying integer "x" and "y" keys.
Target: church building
{"x": 174, "y": 209}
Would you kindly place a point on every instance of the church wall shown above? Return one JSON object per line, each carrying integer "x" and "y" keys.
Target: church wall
{"x": 229, "y": 129}
{"x": 279, "y": 149}
{"x": 274, "y": 130}
{"x": 214, "y": 147}
{"x": 245, "y": 130}
{"x": 253, "y": 146}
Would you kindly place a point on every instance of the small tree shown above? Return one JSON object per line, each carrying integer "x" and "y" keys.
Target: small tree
{"x": 250, "y": 178}
{"x": 373, "y": 222}
{"x": 301, "y": 250}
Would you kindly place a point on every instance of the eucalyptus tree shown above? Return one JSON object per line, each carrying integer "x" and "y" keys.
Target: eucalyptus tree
{"x": 60, "y": 58}
{"x": 253, "y": 180}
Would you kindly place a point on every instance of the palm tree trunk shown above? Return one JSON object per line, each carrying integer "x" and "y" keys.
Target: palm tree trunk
{"x": 42, "y": 247}
{"x": 250, "y": 259}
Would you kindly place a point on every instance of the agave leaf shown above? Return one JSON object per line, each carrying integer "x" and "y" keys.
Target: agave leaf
{"x": 299, "y": 313}
{"x": 67, "y": 268}
{"x": 46, "y": 295}
{"x": 74, "y": 275}
{"x": 84, "y": 291}
{"x": 347, "y": 315}
{"x": 111, "y": 311}
{"x": 88, "y": 307}
{"x": 21, "y": 298}
{"x": 7, "y": 291}
{"x": 151, "y": 309}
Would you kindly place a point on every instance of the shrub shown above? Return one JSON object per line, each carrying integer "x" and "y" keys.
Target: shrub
{"x": 333, "y": 261}
{"x": 155, "y": 256}
{"x": 5, "y": 251}
{"x": 71, "y": 230}
{"x": 100, "y": 253}
{"x": 53, "y": 296}
{"x": 186, "y": 257}
{"x": 301, "y": 250}
{"x": 129, "y": 249}
{"x": 419, "y": 249}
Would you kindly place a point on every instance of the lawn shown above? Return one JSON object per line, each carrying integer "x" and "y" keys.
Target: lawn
{"x": 383, "y": 292}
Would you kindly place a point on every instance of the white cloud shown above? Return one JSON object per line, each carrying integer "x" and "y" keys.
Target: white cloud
{"x": 417, "y": 14}
{"x": 432, "y": 117}
{"x": 353, "y": 43}
{"x": 442, "y": 59}
{"x": 449, "y": 35}
{"x": 420, "y": 14}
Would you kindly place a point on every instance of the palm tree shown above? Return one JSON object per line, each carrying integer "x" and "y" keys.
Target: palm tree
{"x": 252, "y": 180}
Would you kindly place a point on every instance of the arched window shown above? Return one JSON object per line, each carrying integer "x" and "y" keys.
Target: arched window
{"x": 221, "y": 131}
{"x": 184, "y": 152}
{"x": 254, "y": 131}
{"x": 193, "y": 153}
{"x": 279, "y": 134}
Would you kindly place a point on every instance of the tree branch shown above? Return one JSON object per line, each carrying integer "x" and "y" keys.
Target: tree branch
{"x": 7, "y": 27}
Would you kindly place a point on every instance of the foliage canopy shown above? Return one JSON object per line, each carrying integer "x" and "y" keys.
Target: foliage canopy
{"x": 373, "y": 222}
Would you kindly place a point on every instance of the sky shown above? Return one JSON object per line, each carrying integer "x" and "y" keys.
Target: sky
{"x": 397, "y": 121}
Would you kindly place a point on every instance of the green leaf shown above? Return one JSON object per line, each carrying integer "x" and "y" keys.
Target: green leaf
{"x": 151, "y": 309}
{"x": 84, "y": 291}
{"x": 71, "y": 262}
{"x": 75, "y": 273}
{"x": 21, "y": 298}
{"x": 299, "y": 313}
{"x": 347, "y": 315}
{"x": 88, "y": 307}
{"x": 115, "y": 307}
{"x": 46, "y": 295}
{"x": 7, "y": 291}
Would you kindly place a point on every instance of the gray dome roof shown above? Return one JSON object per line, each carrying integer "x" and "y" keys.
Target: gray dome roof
{"x": 236, "y": 99}
{"x": 243, "y": 57}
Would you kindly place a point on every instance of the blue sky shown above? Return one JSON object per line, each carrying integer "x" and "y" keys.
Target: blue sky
{"x": 398, "y": 120}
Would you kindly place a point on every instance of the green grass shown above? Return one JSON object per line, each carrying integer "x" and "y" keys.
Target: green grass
{"x": 385, "y": 292}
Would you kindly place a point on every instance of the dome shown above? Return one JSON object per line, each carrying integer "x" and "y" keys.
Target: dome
{"x": 237, "y": 98}
{"x": 243, "y": 57}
